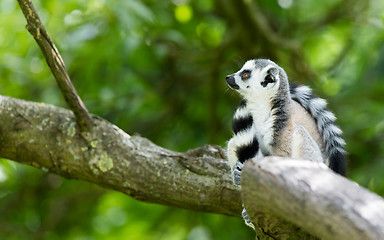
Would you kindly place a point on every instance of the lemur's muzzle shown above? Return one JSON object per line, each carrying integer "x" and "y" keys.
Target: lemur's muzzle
{"x": 231, "y": 81}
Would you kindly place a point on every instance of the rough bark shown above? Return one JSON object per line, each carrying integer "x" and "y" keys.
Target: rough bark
{"x": 284, "y": 198}
{"x": 48, "y": 137}
{"x": 313, "y": 197}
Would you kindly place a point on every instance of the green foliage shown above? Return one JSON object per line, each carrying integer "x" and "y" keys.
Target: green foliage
{"x": 157, "y": 68}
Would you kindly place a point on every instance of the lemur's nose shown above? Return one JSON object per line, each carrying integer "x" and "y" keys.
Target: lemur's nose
{"x": 231, "y": 81}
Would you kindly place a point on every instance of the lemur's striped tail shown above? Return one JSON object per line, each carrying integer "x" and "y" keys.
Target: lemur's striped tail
{"x": 325, "y": 120}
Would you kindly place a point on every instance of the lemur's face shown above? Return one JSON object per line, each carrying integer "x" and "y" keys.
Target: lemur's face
{"x": 255, "y": 78}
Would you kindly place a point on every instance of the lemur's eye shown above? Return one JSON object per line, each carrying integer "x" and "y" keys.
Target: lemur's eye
{"x": 245, "y": 74}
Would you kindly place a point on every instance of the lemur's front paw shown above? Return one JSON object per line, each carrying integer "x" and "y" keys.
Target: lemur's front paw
{"x": 246, "y": 219}
{"x": 236, "y": 172}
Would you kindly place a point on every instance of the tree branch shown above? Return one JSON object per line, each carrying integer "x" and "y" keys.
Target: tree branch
{"x": 313, "y": 197}
{"x": 48, "y": 138}
{"x": 56, "y": 64}
{"x": 305, "y": 196}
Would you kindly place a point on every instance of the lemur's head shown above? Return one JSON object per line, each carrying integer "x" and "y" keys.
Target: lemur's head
{"x": 259, "y": 77}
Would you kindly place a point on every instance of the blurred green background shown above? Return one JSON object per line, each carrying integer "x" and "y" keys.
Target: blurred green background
{"x": 157, "y": 68}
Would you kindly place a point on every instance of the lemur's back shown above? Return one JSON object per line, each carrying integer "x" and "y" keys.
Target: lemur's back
{"x": 298, "y": 116}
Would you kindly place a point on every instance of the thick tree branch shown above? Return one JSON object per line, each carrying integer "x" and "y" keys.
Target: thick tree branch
{"x": 56, "y": 64}
{"x": 313, "y": 197}
{"x": 48, "y": 137}
{"x": 299, "y": 193}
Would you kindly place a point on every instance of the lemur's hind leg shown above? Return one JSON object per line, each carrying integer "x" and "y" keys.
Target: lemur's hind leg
{"x": 304, "y": 146}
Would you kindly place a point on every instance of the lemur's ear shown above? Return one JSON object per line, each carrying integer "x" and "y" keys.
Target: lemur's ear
{"x": 271, "y": 77}
{"x": 273, "y": 71}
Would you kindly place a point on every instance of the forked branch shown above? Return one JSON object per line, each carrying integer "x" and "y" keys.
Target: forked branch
{"x": 56, "y": 64}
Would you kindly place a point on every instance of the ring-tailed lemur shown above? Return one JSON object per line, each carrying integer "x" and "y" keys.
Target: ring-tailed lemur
{"x": 276, "y": 118}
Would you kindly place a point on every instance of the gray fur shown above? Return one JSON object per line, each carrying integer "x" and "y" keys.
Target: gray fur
{"x": 279, "y": 105}
{"x": 325, "y": 119}
{"x": 262, "y": 63}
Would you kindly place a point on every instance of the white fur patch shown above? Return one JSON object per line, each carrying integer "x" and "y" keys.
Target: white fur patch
{"x": 335, "y": 129}
{"x": 339, "y": 140}
{"x": 326, "y": 116}
{"x": 303, "y": 90}
{"x": 231, "y": 152}
{"x": 244, "y": 137}
{"x": 329, "y": 115}
{"x": 316, "y": 105}
{"x": 241, "y": 112}
{"x": 260, "y": 109}
{"x": 250, "y": 64}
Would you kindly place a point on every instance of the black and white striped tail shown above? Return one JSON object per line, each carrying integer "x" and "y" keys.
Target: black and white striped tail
{"x": 325, "y": 120}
